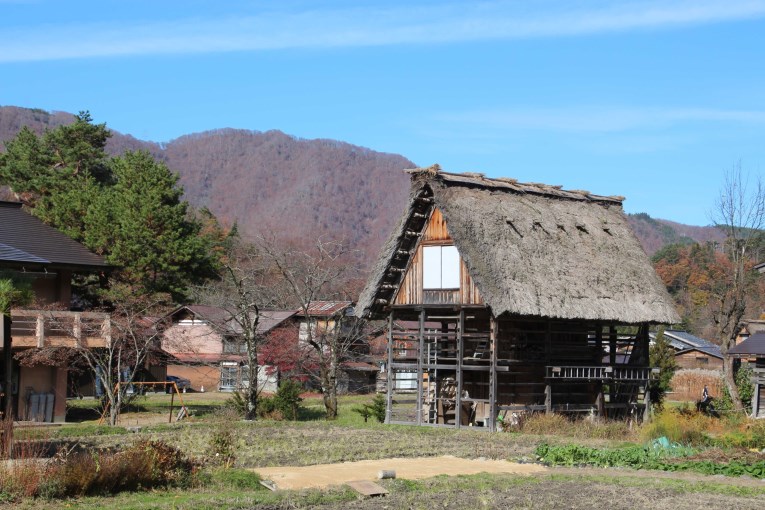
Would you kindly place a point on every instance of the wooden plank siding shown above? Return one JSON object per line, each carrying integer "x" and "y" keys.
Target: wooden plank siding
{"x": 410, "y": 291}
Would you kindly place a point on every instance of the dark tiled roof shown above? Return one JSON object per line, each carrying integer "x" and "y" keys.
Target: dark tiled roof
{"x": 754, "y": 345}
{"x": 222, "y": 320}
{"x": 25, "y": 239}
{"x": 11, "y": 254}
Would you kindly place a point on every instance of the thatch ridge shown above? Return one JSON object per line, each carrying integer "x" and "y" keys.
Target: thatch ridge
{"x": 536, "y": 250}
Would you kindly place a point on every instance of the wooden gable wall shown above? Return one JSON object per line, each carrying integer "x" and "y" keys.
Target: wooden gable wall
{"x": 410, "y": 291}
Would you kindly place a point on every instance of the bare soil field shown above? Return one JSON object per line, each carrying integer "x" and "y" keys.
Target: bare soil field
{"x": 558, "y": 492}
{"x": 325, "y": 475}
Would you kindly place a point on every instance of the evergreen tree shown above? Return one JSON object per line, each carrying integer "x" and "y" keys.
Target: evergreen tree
{"x": 59, "y": 173}
{"x": 662, "y": 356}
{"x": 127, "y": 208}
{"x": 142, "y": 225}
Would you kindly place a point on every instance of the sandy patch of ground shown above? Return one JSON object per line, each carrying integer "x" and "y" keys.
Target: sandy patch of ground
{"x": 324, "y": 475}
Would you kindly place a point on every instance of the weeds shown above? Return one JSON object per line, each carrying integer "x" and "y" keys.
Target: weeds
{"x": 558, "y": 424}
{"x": 144, "y": 465}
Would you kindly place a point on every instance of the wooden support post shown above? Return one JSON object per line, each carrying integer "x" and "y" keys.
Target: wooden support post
{"x": 493, "y": 375}
{"x": 611, "y": 345}
{"x": 611, "y": 360}
{"x": 5, "y": 332}
{"x": 389, "y": 374}
{"x": 420, "y": 352}
{"x": 172, "y": 397}
{"x": 548, "y": 399}
{"x": 460, "y": 350}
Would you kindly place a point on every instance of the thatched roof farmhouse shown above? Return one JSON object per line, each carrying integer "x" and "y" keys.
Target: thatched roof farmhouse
{"x": 542, "y": 276}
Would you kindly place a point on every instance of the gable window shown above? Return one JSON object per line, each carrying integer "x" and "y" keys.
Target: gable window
{"x": 440, "y": 267}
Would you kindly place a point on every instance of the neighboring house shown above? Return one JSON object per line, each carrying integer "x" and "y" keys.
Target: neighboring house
{"x": 692, "y": 351}
{"x": 527, "y": 284}
{"x": 753, "y": 349}
{"x": 205, "y": 347}
{"x": 49, "y": 259}
{"x": 358, "y": 369}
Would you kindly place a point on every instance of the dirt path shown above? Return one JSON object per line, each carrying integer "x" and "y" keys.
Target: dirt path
{"x": 324, "y": 475}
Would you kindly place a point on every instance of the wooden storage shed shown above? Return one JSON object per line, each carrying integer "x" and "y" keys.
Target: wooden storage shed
{"x": 517, "y": 297}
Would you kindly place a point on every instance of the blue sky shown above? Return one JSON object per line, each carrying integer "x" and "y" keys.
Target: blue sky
{"x": 653, "y": 100}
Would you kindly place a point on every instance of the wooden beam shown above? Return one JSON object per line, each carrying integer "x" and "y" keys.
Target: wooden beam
{"x": 460, "y": 351}
{"x": 5, "y": 332}
{"x": 389, "y": 375}
{"x": 420, "y": 350}
{"x": 493, "y": 374}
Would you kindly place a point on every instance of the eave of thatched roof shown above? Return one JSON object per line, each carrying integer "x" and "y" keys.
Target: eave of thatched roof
{"x": 532, "y": 250}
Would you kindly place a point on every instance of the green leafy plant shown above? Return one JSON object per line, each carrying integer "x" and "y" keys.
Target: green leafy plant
{"x": 745, "y": 387}
{"x": 376, "y": 408}
{"x": 639, "y": 457}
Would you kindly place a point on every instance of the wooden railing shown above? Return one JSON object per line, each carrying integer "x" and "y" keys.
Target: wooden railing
{"x": 46, "y": 328}
{"x": 598, "y": 373}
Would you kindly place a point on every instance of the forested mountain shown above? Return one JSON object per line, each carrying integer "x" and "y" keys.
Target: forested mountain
{"x": 654, "y": 233}
{"x": 270, "y": 182}
{"x": 273, "y": 182}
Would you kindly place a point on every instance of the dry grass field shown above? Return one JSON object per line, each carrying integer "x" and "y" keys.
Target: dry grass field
{"x": 312, "y": 440}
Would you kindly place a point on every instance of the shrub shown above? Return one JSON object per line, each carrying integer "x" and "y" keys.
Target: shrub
{"x": 745, "y": 387}
{"x": 221, "y": 446}
{"x": 287, "y": 399}
{"x": 377, "y": 408}
{"x": 144, "y": 465}
{"x": 236, "y": 403}
{"x": 267, "y": 408}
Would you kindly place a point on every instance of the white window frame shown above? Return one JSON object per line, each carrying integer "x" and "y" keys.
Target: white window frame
{"x": 440, "y": 267}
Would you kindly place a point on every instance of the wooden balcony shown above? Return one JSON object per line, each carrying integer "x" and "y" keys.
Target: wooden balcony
{"x": 603, "y": 373}
{"x": 45, "y": 328}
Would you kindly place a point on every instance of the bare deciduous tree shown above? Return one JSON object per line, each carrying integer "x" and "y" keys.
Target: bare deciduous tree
{"x": 740, "y": 213}
{"x": 244, "y": 289}
{"x": 322, "y": 273}
{"x": 129, "y": 336}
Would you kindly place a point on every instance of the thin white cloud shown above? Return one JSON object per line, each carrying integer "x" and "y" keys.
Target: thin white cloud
{"x": 367, "y": 26}
{"x": 597, "y": 119}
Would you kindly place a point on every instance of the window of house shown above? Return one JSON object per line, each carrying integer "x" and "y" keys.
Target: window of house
{"x": 229, "y": 375}
{"x": 440, "y": 267}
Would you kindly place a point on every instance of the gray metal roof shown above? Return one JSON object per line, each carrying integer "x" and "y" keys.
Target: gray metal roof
{"x": 25, "y": 240}
{"x": 684, "y": 341}
{"x": 754, "y": 346}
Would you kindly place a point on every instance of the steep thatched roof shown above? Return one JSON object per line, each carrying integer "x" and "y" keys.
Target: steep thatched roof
{"x": 531, "y": 249}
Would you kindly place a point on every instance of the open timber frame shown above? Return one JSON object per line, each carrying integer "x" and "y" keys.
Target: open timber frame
{"x": 459, "y": 366}
{"x": 549, "y": 311}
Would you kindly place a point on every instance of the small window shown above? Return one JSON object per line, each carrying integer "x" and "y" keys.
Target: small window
{"x": 441, "y": 267}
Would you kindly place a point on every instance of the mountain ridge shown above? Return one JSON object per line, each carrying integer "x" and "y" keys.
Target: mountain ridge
{"x": 295, "y": 188}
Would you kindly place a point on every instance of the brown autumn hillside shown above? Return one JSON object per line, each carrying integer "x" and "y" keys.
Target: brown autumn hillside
{"x": 273, "y": 182}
